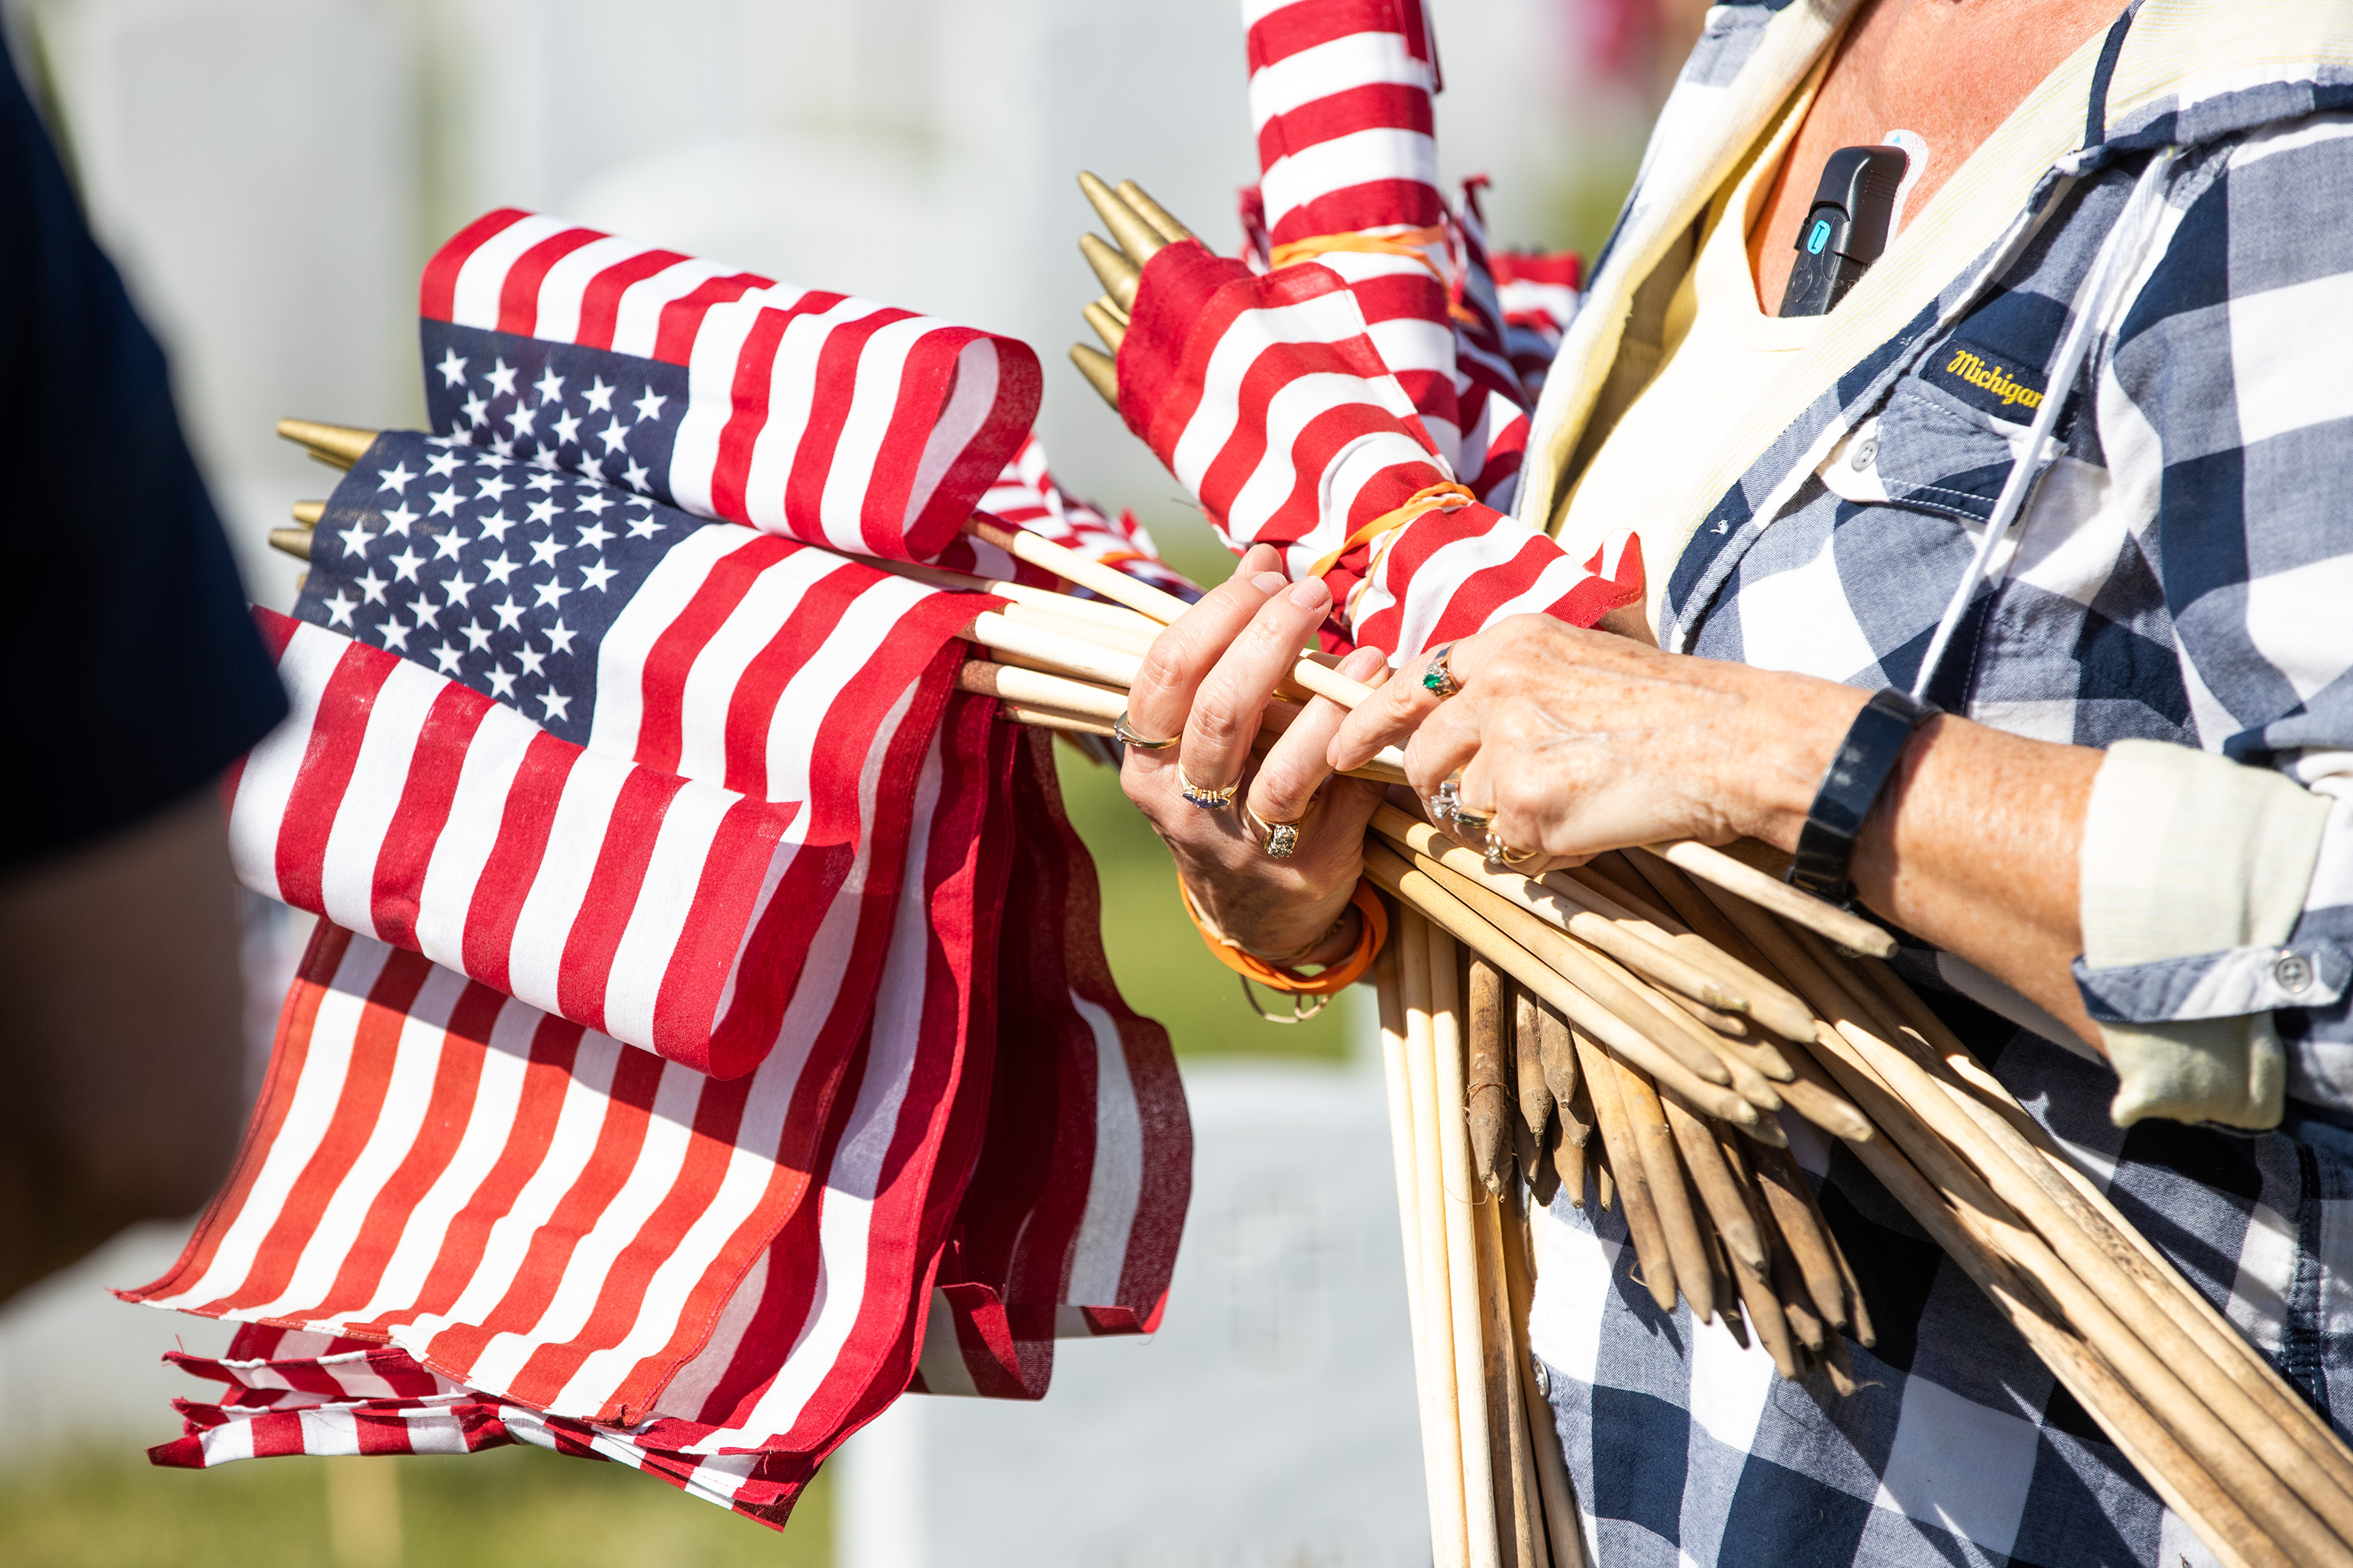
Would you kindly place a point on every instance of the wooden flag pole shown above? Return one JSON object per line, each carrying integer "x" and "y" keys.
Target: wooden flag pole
{"x": 1455, "y": 1183}
{"x": 1442, "y": 1423}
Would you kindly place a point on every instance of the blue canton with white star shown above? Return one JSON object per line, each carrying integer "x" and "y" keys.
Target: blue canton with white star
{"x": 611, "y": 416}
{"x": 502, "y": 574}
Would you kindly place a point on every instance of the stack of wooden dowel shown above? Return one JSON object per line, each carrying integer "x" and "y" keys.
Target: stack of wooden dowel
{"x": 1679, "y": 1001}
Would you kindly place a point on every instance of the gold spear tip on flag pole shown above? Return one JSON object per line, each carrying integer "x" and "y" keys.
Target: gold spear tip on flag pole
{"x": 294, "y": 542}
{"x": 1106, "y": 323}
{"x": 339, "y": 446}
{"x": 1097, "y": 367}
{"x": 1119, "y": 274}
{"x": 1153, "y": 213}
{"x": 309, "y": 513}
{"x": 1135, "y": 236}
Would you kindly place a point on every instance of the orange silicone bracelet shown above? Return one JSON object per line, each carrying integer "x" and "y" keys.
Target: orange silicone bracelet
{"x": 1333, "y": 979}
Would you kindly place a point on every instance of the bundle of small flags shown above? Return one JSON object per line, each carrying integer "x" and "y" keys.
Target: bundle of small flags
{"x": 677, "y": 1075}
{"x": 1356, "y": 390}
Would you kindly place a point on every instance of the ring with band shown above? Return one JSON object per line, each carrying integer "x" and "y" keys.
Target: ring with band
{"x": 1447, "y": 802}
{"x": 1502, "y": 853}
{"x": 1438, "y": 675}
{"x": 1127, "y": 736}
{"x": 1207, "y": 799}
{"x": 1279, "y": 839}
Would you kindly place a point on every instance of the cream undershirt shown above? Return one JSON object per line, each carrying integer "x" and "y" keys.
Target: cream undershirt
{"x": 1720, "y": 355}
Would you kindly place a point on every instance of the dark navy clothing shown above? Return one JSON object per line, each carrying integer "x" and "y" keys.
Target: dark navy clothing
{"x": 133, "y": 674}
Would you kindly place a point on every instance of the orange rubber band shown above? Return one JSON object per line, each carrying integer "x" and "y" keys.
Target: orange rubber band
{"x": 1406, "y": 243}
{"x": 1447, "y": 496}
{"x": 1335, "y": 979}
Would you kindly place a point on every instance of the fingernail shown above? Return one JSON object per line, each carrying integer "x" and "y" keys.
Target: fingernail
{"x": 1361, "y": 664}
{"x": 1269, "y": 582}
{"x": 1310, "y": 594}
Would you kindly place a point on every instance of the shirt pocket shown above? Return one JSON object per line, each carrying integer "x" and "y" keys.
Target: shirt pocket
{"x": 1929, "y": 451}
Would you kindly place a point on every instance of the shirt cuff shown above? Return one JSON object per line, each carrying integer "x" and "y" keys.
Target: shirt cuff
{"x": 2194, "y": 871}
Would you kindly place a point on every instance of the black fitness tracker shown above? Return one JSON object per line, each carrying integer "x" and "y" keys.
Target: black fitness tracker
{"x": 1859, "y": 771}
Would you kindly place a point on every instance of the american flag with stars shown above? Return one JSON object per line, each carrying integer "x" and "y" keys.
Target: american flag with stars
{"x": 678, "y": 1074}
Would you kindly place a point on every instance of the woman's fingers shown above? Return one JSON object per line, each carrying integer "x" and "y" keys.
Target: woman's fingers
{"x": 1182, "y": 655}
{"x": 1295, "y": 767}
{"x": 1229, "y": 701}
{"x": 1388, "y": 715}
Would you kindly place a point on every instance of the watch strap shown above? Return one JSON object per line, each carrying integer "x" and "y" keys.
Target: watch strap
{"x": 1859, "y": 771}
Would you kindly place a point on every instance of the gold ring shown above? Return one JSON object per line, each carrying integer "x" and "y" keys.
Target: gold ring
{"x": 1504, "y": 855}
{"x": 1471, "y": 821}
{"x": 1207, "y": 799}
{"x": 1127, "y": 736}
{"x": 1279, "y": 839}
{"x": 1438, "y": 675}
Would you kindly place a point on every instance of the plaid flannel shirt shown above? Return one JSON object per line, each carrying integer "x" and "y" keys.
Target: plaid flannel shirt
{"x": 2184, "y": 574}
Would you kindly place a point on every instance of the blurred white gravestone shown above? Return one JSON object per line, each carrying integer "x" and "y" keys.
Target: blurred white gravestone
{"x": 250, "y": 166}
{"x": 1271, "y": 1422}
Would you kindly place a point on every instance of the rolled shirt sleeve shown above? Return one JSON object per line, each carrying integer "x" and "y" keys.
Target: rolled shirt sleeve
{"x": 2195, "y": 874}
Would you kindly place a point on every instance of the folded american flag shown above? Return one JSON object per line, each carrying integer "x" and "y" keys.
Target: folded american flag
{"x": 1372, "y": 363}
{"x": 1268, "y": 400}
{"x": 799, "y": 411}
{"x": 558, "y": 786}
{"x": 1341, "y": 95}
{"x": 676, "y": 1068}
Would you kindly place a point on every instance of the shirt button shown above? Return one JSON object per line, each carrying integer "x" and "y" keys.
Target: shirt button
{"x": 2293, "y": 971}
{"x": 1864, "y": 454}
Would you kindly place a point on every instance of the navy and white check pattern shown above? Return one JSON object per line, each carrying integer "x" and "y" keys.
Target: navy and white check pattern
{"x": 2184, "y": 574}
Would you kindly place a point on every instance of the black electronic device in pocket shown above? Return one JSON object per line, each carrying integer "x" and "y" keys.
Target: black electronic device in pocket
{"x": 1854, "y": 205}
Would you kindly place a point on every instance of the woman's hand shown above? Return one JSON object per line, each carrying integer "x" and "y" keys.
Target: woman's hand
{"x": 1578, "y": 742}
{"x": 1575, "y": 742}
{"x": 1208, "y": 677}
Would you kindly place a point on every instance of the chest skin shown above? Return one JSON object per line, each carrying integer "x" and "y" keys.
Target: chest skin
{"x": 1951, "y": 70}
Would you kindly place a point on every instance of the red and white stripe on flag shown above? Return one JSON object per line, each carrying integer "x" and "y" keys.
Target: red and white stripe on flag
{"x": 626, "y": 885}
{"x": 536, "y": 1211}
{"x": 1070, "y": 1225}
{"x": 280, "y": 1398}
{"x": 831, "y": 418}
{"x": 1340, "y": 100}
{"x": 544, "y": 1219}
{"x": 1026, "y": 496}
{"x": 1267, "y": 399}
{"x": 1341, "y": 96}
